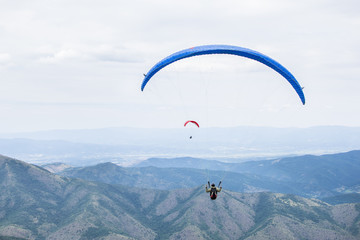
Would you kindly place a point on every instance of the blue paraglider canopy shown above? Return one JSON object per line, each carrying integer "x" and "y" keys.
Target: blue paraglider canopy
{"x": 226, "y": 49}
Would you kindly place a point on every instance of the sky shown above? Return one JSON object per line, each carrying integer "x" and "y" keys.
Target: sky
{"x": 79, "y": 64}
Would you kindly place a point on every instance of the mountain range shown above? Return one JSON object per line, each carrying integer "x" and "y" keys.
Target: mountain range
{"x": 37, "y": 204}
{"x": 313, "y": 176}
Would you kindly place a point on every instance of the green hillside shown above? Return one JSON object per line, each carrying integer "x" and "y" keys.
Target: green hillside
{"x": 36, "y": 204}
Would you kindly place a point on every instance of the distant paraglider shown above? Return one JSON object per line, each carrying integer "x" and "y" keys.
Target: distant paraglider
{"x": 193, "y": 122}
{"x": 226, "y": 49}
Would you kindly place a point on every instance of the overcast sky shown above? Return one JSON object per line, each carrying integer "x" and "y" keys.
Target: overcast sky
{"x": 79, "y": 64}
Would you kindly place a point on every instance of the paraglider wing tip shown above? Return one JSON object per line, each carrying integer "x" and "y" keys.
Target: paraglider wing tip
{"x": 142, "y": 87}
{"x": 144, "y": 82}
{"x": 302, "y": 96}
{"x": 303, "y": 101}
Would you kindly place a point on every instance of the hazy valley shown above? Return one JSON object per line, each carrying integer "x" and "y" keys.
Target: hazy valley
{"x": 126, "y": 146}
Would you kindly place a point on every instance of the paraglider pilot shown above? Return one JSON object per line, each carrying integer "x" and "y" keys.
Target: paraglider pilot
{"x": 213, "y": 190}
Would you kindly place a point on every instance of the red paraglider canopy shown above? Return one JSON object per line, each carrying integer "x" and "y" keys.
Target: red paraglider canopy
{"x": 191, "y": 122}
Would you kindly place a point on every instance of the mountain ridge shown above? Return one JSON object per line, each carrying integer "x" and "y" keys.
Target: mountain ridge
{"x": 308, "y": 176}
{"x": 37, "y": 204}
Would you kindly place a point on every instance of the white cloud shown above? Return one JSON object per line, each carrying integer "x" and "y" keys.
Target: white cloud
{"x": 63, "y": 55}
{"x": 4, "y": 58}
